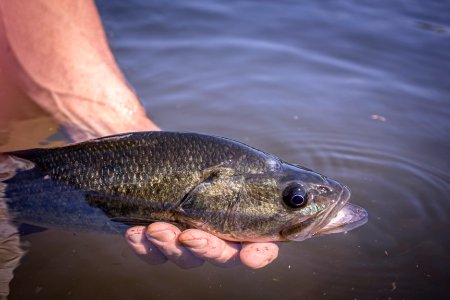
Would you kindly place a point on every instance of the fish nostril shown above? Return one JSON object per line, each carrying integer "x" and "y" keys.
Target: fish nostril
{"x": 323, "y": 189}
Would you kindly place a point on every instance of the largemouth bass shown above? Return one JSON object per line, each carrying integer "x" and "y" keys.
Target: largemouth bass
{"x": 211, "y": 183}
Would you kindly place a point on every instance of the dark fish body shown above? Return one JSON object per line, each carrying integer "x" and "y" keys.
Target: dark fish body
{"x": 196, "y": 180}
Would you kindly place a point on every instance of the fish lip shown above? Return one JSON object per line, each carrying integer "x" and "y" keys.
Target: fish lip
{"x": 322, "y": 222}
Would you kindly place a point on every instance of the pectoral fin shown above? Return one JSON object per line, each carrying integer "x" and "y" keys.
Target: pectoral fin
{"x": 209, "y": 203}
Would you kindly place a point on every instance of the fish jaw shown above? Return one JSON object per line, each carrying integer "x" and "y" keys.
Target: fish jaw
{"x": 348, "y": 217}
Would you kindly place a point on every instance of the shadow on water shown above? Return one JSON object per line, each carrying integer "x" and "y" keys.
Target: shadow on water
{"x": 355, "y": 91}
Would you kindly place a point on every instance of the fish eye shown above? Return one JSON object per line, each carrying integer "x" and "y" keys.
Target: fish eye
{"x": 295, "y": 197}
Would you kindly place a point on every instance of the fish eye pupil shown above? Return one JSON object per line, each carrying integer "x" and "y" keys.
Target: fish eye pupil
{"x": 297, "y": 200}
{"x": 295, "y": 197}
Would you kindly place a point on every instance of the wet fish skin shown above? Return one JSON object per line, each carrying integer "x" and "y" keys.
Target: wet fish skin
{"x": 211, "y": 183}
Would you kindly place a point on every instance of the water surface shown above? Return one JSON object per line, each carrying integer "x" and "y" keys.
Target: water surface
{"x": 357, "y": 91}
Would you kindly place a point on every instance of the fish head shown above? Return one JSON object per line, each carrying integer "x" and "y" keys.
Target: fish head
{"x": 316, "y": 205}
{"x": 295, "y": 203}
{"x": 282, "y": 202}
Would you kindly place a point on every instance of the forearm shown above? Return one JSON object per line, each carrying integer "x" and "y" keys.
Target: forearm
{"x": 58, "y": 54}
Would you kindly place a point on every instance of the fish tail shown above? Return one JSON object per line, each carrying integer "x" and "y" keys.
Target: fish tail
{"x": 18, "y": 177}
{"x": 33, "y": 197}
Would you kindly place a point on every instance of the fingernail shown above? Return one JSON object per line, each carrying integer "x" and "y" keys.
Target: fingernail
{"x": 162, "y": 236}
{"x": 195, "y": 243}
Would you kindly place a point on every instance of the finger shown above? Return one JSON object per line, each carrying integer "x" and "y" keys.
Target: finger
{"x": 135, "y": 236}
{"x": 211, "y": 248}
{"x": 258, "y": 255}
{"x": 165, "y": 237}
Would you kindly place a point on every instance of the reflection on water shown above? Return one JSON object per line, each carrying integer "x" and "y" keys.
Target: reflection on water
{"x": 10, "y": 254}
{"x": 302, "y": 81}
{"x": 10, "y": 246}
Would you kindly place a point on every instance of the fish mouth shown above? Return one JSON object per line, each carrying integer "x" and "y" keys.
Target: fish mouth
{"x": 347, "y": 218}
{"x": 341, "y": 216}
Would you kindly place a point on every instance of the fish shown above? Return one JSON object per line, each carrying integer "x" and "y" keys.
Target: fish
{"x": 194, "y": 180}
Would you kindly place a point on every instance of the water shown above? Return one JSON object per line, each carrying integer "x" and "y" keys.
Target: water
{"x": 357, "y": 91}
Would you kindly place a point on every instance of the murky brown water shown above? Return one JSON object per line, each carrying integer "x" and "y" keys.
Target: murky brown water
{"x": 357, "y": 92}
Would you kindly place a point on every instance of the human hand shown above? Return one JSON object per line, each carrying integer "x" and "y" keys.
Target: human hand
{"x": 161, "y": 241}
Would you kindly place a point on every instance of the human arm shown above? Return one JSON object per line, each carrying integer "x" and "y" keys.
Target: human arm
{"x": 57, "y": 53}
